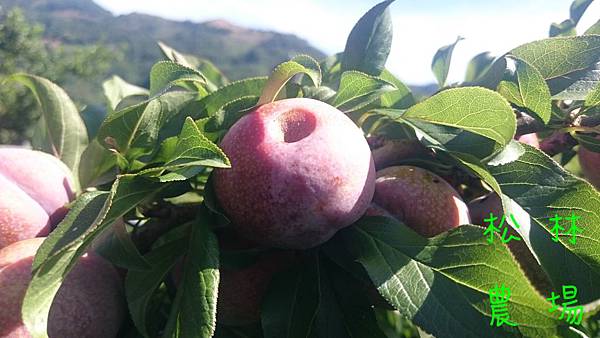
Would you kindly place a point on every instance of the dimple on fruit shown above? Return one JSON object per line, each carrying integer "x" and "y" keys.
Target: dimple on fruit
{"x": 300, "y": 171}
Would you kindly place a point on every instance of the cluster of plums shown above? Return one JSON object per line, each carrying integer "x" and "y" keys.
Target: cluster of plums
{"x": 301, "y": 171}
{"x": 34, "y": 190}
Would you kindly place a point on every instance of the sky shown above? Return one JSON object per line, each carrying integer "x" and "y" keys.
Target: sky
{"x": 420, "y": 27}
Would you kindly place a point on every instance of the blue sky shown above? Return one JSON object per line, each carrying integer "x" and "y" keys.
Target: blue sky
{"x": 420, "y": 27}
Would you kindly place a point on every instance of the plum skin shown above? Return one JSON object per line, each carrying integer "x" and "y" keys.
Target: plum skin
{"x": 35, "y": 188}
{"x": 300, "y": 171}
{"x": 89, "y": 303}
{"x": 420, "y": 199}
{"x": 530, "y": 139}
{"x": 590, "y": 166}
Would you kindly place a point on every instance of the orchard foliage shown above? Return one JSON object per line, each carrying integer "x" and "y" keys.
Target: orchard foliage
{"x": 151, "y": 160}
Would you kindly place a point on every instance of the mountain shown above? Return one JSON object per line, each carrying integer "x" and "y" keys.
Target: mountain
{"x": 239, "y": 52}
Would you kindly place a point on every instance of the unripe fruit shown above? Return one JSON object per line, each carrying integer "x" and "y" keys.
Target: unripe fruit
{"x": 590, "y": 166}
{"x": 35, "y": 187}
{"x": 419, "y": 198}
{"x": 301, "y": 170}
{"x": 88, "y": 303}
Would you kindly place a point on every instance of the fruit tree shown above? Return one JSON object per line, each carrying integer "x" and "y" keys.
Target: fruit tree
{"x": 322, "y": 200}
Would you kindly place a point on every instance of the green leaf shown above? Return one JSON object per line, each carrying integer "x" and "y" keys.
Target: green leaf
{"x": 140, "y": 285}
{"x": 213, "y": 103}
{"x": 175, "y": 56}
{"x": 400, "y": 98}
{"x": 527, "y": 88}
{"x": 45, "y": 284}
{"x": 589, "y": 142}
{"x": 322, "y": 93}
{"x": 119, "y": 249}
{"x": 576, "y": 85}
{"x": 558, "y": 56}
{"x": 230, "y": 113}
{"x": 476, "y": 167}
{"x": 166, "y": 74}
{"x": 91, "y": 214}
{"x": 212, "y": 73}
{"x": 543, "y": 188}
{"x": 344, "y": 309}
{"x": 96, "y": 161}
{"x": 370, "y": 41}
{"x": 61, "y": 128}
{"x": 577, "y": 9}
{"x": 116, "y": 89}
{"x": 194, "y": 149}
{"x": 491, "y": 76}
{"x": 594, "y": 29}
{"x": 478, "y": 65}
{"x": 592, "y": 99}
{"x": 477, "y": 111}
{"x": 302, "y": 64}
{"x": 442, "y": 284}
{"x": 358, "y": 88}
{"x": 331, "y": 68}
{"x": 215, "y": 77}
{"x": 440, "y": 65}
{"x": 194, "y": 313}
{"x": 134, "y": 130}
{"x": 565, "y": 28}
{"x": 290, "y": 305}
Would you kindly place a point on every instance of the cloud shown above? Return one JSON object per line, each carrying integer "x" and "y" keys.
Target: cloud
{"x": 418, "y": 32}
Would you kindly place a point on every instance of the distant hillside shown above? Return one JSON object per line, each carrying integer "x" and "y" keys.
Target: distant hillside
{"x": 238, "y": 51}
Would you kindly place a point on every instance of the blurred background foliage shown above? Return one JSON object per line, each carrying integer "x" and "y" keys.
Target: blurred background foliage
{"x": 78, "y": 44}
{"x": 23, "y": 49}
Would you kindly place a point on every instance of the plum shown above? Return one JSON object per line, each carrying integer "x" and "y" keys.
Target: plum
{"x": 419, "y": 198}
{"x": 590, "y": 166}
{"x": 35, "y": 188}
{"x": 300, "y": 171}
{"x": 241, "y": 290}
{"x": 392, "y": 152}
{"x": 89, "y": 303}
{"x": 530, "y": 139}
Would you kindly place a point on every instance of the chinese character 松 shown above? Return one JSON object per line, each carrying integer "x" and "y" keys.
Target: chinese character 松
{"x": 491, "y": 228}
